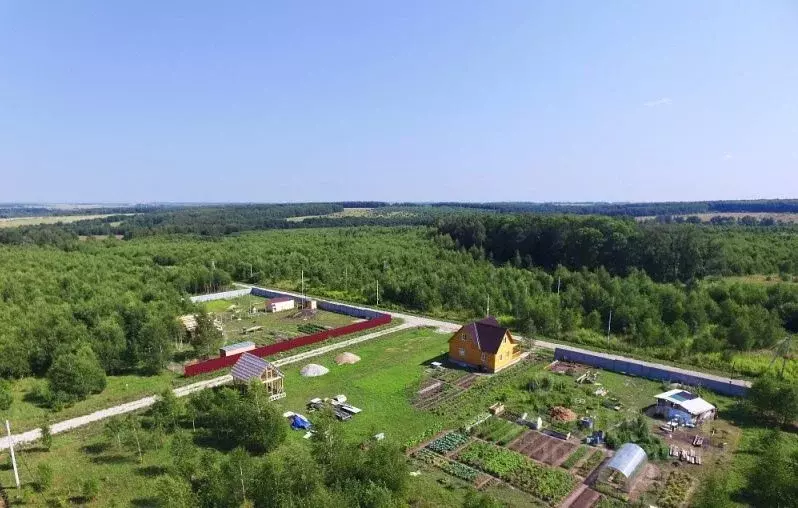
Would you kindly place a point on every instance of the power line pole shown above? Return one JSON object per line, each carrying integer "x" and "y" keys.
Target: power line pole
{"x": 378, "y": 293}
{"x": 609, "y": 325}
{"x": 303, "y": 289}
{"x": 13, "y": 457}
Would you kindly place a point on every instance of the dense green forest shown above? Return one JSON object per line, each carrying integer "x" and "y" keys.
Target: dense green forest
{"x": 121, "y": 297}
{"x": 680, "y": 252}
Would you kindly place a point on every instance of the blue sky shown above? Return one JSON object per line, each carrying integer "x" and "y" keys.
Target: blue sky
{"x": 412, "y": 100}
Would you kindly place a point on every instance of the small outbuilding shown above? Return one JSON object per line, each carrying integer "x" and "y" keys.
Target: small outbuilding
{"x": 238, "y": 347}
{"x": 684, "y": 406}
{"x": 250, "y": 367}
{"x": 280, "y": 304}
{"x": 624, "y": 467}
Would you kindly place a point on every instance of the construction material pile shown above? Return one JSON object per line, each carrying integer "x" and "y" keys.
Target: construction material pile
{"x": 347, "y": 358}
{"x": 562, "y": 414}
{"x": 313, "y": 370}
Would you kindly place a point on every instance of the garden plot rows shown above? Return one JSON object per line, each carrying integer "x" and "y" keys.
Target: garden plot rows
{"x": 435, "y": 391}
{"x": 543, "y": 448}
{"x": 586, "y": 499}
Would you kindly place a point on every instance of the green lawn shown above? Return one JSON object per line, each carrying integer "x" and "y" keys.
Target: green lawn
{"x": 380, "y": 384}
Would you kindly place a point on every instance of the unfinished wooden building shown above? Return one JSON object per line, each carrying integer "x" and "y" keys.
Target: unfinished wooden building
{"x": 250, "y": 367}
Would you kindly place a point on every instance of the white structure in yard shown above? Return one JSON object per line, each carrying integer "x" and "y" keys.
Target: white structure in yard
{"x": 280, "y": 304}
{"x": 683, "y": 405}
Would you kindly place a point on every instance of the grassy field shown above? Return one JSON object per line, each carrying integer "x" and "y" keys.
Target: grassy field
{"x": 379, "y": 384}
{"x": 346, "y": 212}
{"x": 706, "y": 217}
{"x": 275, "y": 326}
{"x": 33, "y": 221}
{"x": 762, "y": 279}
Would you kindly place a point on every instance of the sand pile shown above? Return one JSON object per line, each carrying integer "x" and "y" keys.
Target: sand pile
{"x": 347, "y": 358}
{"x": 313, "y": 370}
{"x": 562, "y": 414}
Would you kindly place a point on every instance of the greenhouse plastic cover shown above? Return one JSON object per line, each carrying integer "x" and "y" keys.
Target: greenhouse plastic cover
{"x": 627, "y": 459}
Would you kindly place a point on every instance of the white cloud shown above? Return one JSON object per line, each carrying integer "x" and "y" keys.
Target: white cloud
{"x": 727, "y": 156}
{"x": 662, "y": 101}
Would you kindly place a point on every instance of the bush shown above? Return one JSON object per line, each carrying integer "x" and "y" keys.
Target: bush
{"x": 74, "y": 376}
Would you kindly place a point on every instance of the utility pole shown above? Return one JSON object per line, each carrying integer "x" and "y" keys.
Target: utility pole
{"x": 303, "y": 289}
{"x": 609, "y": 325}
{"x": 13, "y": 457}
{"x": 378, "y": 293}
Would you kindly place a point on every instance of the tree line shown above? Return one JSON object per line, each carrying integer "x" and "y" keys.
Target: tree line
{"x": 678, "y": 252}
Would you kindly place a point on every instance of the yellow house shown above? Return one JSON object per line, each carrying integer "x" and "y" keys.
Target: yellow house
{"x": 484, "y": 345}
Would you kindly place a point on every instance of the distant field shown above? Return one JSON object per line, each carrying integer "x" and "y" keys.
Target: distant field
{"x": 347, "y": 212}
{"x": 33, "y": 221}
{"x": 760, "y": 279}
{"x": 705, "y": 217}
{"x": 355, "y": 212}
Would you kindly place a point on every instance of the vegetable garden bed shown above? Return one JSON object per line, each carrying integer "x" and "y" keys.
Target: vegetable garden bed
{"x": 575, "y": 457}
{"x": 677, "y": 488}
{"x": 590, "y": 464}
{"x": 498, "y": 430}
{"x": 448, "y": 443}
{"x": 546, "y": 484}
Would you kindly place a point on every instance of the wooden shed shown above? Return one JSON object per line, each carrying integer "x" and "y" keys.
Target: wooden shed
{"x": 250, "y": 367}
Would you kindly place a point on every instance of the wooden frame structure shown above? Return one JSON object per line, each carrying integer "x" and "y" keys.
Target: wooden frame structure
{"x": 250, "y": 367}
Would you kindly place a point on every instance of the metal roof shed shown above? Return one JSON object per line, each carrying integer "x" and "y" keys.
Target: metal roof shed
{"x": 250, "y": 367}
{"x": 628, "y": 462}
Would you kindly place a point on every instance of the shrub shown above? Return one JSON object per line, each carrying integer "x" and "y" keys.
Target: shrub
{"x": 44, "y": 477}
{"x": 6, "y": 398}
{"x": 90, "y": 489}
{"x": 74, "y": 376}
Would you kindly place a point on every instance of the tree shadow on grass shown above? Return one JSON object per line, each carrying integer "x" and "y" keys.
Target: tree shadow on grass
{"x": 208, "y": 440}
{"x": 151, "y": 471}
{"x": 37, "y": 398}
{"x": 95, "y": 448}
{"x": 112, "y": 459}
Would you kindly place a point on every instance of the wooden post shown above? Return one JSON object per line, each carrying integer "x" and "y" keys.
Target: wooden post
{"x": 13, "y": 457}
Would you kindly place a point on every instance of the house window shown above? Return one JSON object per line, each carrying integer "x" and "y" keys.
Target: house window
{"x": 462, "y": 352}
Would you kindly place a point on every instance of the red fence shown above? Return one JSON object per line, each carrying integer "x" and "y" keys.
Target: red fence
{"x": 228, "y": 361}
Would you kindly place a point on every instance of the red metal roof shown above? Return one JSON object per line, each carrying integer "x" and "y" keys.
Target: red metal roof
{"x": 487, "y": 333}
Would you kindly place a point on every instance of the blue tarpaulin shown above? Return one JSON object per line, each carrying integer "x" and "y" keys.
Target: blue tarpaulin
{"x": 299, "y": 422}
{"x": 680, "y": 416}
